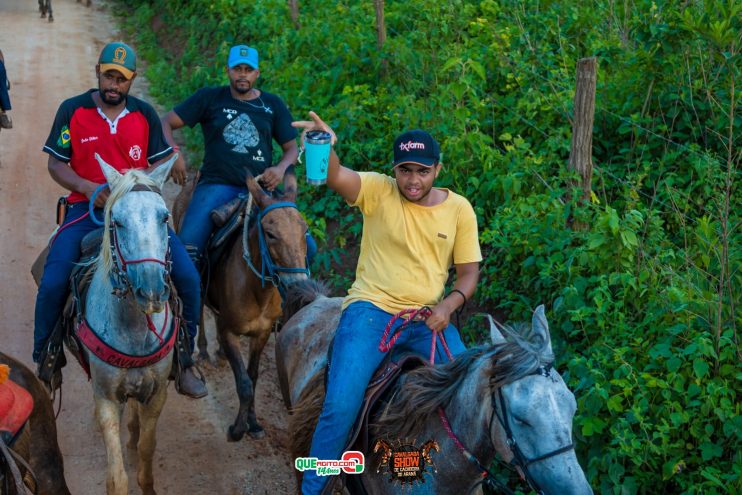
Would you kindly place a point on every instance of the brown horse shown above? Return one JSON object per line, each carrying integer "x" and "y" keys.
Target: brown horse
{"x": 244, "y": 287}
{"x": 37, "y": 444}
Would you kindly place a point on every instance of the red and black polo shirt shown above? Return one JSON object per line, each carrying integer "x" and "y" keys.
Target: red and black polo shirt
{"x": 81, "y": 129}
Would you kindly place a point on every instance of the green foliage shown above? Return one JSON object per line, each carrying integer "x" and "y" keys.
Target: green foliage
{"x": 644, "y": 302}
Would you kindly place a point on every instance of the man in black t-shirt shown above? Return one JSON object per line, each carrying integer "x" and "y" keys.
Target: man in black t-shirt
{"x": 239, "y": 123}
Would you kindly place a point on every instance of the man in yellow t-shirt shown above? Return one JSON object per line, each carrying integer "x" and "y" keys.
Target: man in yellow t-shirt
{"x": 412, "y": 234}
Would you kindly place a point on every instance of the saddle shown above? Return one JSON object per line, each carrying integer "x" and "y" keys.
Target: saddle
{"x": 16, "y": 405}
{"x": 378, "y": 392}
{"x": 49, "y": 370}
{"x": 229, "y": 218}
{"x": 66, "y": 334}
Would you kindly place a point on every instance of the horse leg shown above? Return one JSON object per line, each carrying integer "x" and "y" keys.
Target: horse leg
{"x": 42, "y": 8}
{"x": 148, "y": 415}
{"x": 253, "y": 365}
{"x": 109, "y": 420}
{"x": 49, "y": 6}
{"x": 231, "y": 345}
{"x": 203, "y": 349}
{"x": 133, "y": 425}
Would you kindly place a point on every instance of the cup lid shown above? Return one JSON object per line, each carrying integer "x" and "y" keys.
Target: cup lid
{"x": 318, "y": 137}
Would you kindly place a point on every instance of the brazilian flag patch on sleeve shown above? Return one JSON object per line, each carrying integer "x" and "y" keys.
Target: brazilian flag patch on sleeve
{"x": 64, "y": 138}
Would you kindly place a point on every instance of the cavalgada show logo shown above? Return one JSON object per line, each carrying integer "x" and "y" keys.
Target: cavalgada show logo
{"x": 405, "y": 463}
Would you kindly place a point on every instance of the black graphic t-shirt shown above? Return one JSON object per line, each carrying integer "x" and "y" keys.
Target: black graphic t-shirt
{"x": 238, "y": 135}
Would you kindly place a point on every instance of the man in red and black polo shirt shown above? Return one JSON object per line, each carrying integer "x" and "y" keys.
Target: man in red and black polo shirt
{"x": 127, "y": 133}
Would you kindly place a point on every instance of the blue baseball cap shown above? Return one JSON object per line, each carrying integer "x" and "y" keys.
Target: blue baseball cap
{"x": 242, "y": 54}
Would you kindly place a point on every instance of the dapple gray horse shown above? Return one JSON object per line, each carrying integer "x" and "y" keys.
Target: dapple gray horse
{"x": 504, "y": 399}
{"x": 133, "y": 252}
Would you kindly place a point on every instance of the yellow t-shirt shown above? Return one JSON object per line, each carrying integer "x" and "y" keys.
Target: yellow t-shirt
{"x": 406, "y": 248}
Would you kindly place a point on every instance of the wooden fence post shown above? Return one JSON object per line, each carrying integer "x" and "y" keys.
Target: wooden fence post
{"x": 581, "y": 153}
{"x": 380, "y": 31}
{"x": 294, "y": 8}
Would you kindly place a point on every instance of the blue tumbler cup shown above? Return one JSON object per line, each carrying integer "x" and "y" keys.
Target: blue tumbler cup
{"x": 317, "y": 150}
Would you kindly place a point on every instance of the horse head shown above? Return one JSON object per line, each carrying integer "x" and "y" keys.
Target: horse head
{"x": 532, "y": 409}
{"x": 281, "y": 231}
{"x": 135, "y": 240}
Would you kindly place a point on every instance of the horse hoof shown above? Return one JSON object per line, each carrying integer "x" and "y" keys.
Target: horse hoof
{"x": 43, "y": 15}
{"x": 205, "y": 361}
{"x": 256, "y": 433}
{"x": 51, "y": 19}
{"x": 232, "y": 436}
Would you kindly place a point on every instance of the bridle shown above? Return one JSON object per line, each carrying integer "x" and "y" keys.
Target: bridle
{"x": 520, "y": 460}
{"x": 269, "y": 271}
{"x": 121, "y": 281}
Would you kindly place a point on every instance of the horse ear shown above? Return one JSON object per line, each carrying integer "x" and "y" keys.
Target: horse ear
{"x": 540, "y": 327}
{"x": 258, "y": 193}
{"x": 495, "y": 334}
{"x": 112, "y": 175}
{"x": 289, "y": 184}
{"x": 162, "y": 172}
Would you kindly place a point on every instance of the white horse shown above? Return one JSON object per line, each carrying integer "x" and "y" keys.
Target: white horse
{"x": 127, "y": 309}
{"x": 504, "y": 399}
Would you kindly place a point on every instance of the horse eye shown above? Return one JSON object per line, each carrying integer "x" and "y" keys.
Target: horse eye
{"x": 166, "y": 217}
{"x": 270, "y": 235}
{"x": 520, "y": 421}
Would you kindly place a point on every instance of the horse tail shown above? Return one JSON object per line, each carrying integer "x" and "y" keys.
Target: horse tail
{"x": 301, "y": 294}
{"x": 305, "y": 414}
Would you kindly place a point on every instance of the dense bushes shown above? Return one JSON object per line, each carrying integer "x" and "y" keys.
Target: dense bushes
{"x": 644, "y": 303}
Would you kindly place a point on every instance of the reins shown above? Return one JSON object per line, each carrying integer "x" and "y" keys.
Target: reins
{"x": 519, "y": 460}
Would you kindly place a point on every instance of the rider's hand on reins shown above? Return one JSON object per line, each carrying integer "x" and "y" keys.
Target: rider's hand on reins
{"x": 438, "y": 319}
{"x": 100, "y": 198}
{"x": 271, "y": 178}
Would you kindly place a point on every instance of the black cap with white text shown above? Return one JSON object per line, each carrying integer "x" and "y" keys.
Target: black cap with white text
{"x": 418, "y": 147}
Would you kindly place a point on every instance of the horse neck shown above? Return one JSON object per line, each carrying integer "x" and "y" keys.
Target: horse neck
{"x": 469, "y": 416}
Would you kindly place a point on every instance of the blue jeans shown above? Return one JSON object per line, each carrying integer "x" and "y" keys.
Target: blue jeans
{"x": 64, "y": 253}
{"x": 355, "y": 357}
{"x": 4, "y": 97}
{"x": 197, "y": 226}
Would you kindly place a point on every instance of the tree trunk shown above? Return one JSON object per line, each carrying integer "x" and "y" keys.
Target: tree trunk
{"x": 294, "y": 8}
{"x": 380, "y": 31}
{"x": 581, "y": 154}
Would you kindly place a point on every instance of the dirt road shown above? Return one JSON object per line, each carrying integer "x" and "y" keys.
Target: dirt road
{"x": 46, "y": 63}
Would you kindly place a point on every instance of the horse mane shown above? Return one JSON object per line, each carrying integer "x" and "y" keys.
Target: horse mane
{"x": 426, "y": 389}
{"x": 302, "y": 293}
{"x": 122, "y": 186}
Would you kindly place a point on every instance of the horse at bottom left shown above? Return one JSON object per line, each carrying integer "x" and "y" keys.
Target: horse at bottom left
{"x": 30, "y": 459}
